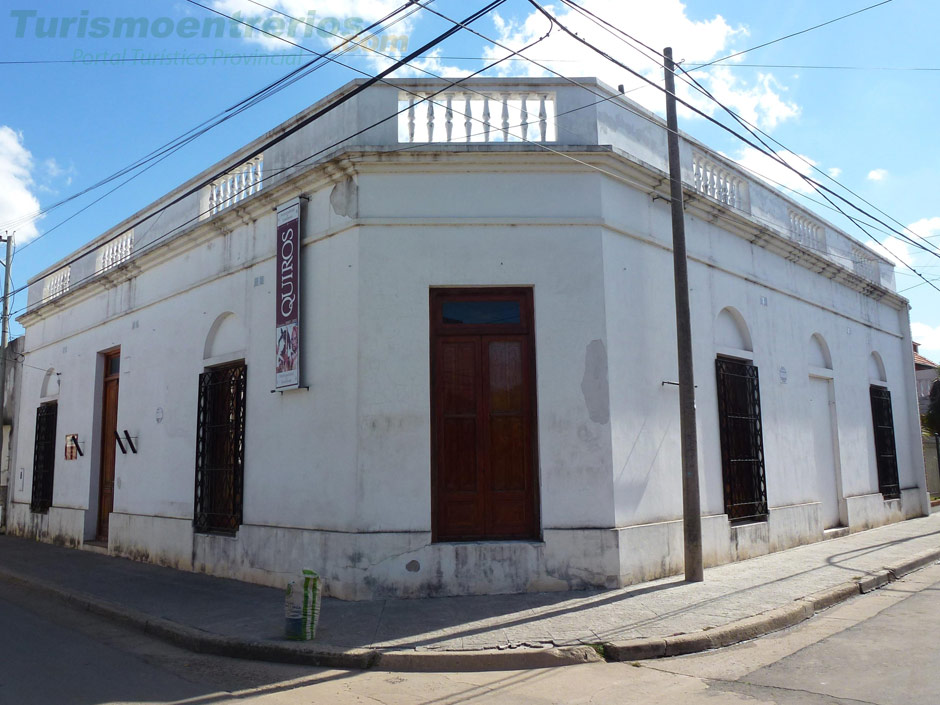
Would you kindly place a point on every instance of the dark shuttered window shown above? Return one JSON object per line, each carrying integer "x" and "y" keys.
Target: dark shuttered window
{"x": 44, "y": 457}
{"x": 885, "y": 452}
{"x": 742, "y": 445}
{"x": 220, "y": 449}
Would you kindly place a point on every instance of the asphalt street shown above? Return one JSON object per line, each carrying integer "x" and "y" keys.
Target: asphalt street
{"x": 877, "y": 648}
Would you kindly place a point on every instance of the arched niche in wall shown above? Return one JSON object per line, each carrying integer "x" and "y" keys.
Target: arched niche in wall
{"x": 227, "y": 338}
{"x": 818, "y": 356}
{"x": 876, "y": 370}
{"x": 50, "y": 385}
{"x": 732, "y": 336}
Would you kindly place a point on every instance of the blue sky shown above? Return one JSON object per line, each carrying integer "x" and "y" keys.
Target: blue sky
{"x": 64, "y": 126}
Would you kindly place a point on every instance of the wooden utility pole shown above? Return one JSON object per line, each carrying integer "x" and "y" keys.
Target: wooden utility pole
{"x": 4, "y": 354}
{"x": 691, "y": 510}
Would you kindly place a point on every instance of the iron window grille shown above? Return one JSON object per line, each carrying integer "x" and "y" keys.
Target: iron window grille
{"x": 742, "y": 443}
{"x": 885, "y": 450}
{"x": 220, "y": 450}
{"x": 44, "y": 457}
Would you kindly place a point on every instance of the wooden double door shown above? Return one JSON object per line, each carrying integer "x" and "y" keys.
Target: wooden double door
{"x": 484, "y": 453}
{"x": 109, "y": 409}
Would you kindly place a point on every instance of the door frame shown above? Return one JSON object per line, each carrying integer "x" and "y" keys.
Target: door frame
{"x": 104, "y": 356}
{"x": 438, "y": 329}
{"x": 825, "y": 375}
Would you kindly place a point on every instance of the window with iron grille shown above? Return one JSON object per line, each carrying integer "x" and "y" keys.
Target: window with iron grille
{"x": 742, "y": 443}
{"x": 44, "y": 457}
{"x": 885, "y": 452}
{"x": 220, "y": 449}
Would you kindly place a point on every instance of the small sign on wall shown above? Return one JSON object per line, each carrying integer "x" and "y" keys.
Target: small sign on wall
{"x": 73, "y": 450}
{"x": 287, "y": 319}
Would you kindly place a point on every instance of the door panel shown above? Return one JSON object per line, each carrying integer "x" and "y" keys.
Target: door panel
{"x": 458, "y": 443}
{"x": 483, "y": 418}
{"x": 109, "y": 409}
{"x": 741, "y": 436}
{"x": 821, "y": 410}
{"x": 509, "y": 462}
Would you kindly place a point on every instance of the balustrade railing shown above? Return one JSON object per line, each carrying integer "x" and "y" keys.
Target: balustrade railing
{"x": 237, "y": 185}
{"x": 56, "y": 283}
{"x": 807, "y": 232}
{"x": 715, "y": 180}
{"x": 115, "y": 251}
{"x": 476, "y": 116}
{"x": 864, "y": 264}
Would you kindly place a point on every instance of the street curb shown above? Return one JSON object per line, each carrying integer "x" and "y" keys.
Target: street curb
{"x": 771, "y": 621}
{"x": 323, "y": 655}
{"x": 486, "y": 660}
{"x": 200, "y": 641}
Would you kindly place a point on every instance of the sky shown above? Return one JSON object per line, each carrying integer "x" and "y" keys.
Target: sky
{"x": 87, "y": 93}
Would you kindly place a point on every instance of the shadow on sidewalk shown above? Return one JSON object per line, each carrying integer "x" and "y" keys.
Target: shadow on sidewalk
{"x": 233, "y": 608}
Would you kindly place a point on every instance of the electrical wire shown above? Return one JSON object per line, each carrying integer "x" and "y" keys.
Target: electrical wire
{"x": 405, "y": 63}
{"x": 662, "y": 89}
{"x": 748, "y": 126}
{"x": 251, "y": 56}
{"x": 811, "y": 182}
{"x": 770, "y": 153}
{"x": 457, "y": 112}
{"x": 693, "y": 67}
{"x": 339, "y": 101}
{"x": 221, "y": 117}
{"x": 351, "y": 41}
{"x": 691, "y": 81}
{"x": 794, "y": 34}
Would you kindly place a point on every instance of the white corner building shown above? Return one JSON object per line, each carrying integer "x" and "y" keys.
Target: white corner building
{"x": 460, "y": 376}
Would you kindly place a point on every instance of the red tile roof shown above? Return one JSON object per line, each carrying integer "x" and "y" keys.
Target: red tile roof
{"x": 921, "y": 360}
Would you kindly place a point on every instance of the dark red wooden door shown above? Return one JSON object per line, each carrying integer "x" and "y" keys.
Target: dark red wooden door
{"x": 109, "y": 407}
{"x": 484, "y": 475}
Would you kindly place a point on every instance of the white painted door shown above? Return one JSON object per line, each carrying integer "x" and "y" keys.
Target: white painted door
{"x": 822, "y": 416}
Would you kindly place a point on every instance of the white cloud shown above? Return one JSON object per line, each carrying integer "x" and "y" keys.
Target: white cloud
{"x": 657, "y": 24}
{"x": 52, "y": 170}
{"x": 17, "y": 201}
{"x": 895, "y": 249}
{"x": 926, "y": 227}
{"x": 292, "y": 19}
{"x": 929, "y": 339}
{"x": 877, "y": 174}
{"x": 835, "y": 172}
{"x": 421, "y": 68}
{"x": 763, "y": 166}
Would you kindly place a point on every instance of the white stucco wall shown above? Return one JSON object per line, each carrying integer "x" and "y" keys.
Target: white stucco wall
{"x": 338, "y": 476}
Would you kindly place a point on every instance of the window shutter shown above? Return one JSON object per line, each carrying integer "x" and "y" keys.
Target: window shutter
{"x": 44, "y": 457}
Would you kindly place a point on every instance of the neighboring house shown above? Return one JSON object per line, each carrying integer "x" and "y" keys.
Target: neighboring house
{"x": 925, "y": 374}
{"x": 485, "y": 400}
{"x": 10, "y": 411}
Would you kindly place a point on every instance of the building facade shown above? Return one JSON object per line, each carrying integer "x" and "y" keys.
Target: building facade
{"x": 485, "y": 400}
{"x": 926, "y": 373}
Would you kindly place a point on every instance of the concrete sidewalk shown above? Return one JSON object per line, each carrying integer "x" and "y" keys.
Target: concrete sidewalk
{"x": 665, "y": 617}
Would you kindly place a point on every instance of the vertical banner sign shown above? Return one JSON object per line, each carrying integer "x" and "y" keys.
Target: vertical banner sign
{"x": 287, "y": 370}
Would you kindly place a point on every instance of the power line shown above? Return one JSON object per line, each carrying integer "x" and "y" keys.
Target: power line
{"x": 693, "y": 67}
{"x": 284, "y": 14}
{"x": 399, "y": 64}
{"x": 458, "y": 25}
{"x": 812, "y": 183}
{"x": 815, "y": 186}
{"x": 285, "y": 55}
{"x": 236, "y": 109}
{"x": 770, "y": 153}
{"x": 748, "y": 126}
{"x": 795, "y": 34}
{"x": 297, "y": 126}
{"x": 918, "y": 285}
